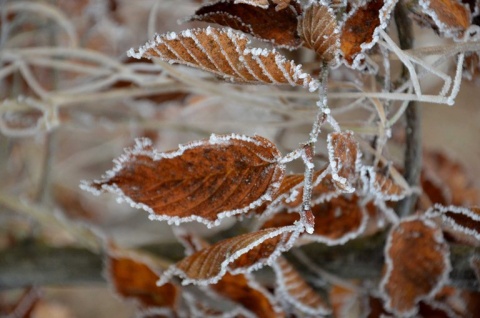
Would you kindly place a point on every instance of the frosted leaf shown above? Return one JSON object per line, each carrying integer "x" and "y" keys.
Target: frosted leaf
{"x": 417, "y": 265}
{"x": 244, "y": 290}
{"x": 319, "y": 29}
{"x": 447, "y": 181}
{"x": 293, "y": 289}
{"x": 290, "y": 193}
{"x": 239, "y": 254}
{"x": 267, "y": 24}
{"x": 344, "y": 157}
{"x": 360, "y": 31}
{"x": 224, "y": 53}
{"x": 449, "y": 17}
{"x": 239, "y": 288}
{"x": 336, "y": 221}
{"x": 382, "y": 187}
{"x": 133, "y": 276}
{"x": 458, "y": 221}
{"x": 204, "y": 181}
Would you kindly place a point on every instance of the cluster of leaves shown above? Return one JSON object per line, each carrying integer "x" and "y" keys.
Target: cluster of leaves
{"x": 348, "y": 191}
{"x": 233, "y": 175}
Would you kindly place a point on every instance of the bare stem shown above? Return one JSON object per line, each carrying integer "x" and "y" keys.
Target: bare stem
{"x": 413, "y": 147}
{"x": 309, "y": 152}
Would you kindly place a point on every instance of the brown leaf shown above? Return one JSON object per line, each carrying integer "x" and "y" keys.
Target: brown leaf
{"x": 239, "y": 288}
{"x": 344, "y": 158}
{"x": 249, "y": 294}
{"x": 268, "y": 24}
{"x": 294, "y": 290}
{"x": 225, "y": 53}
{"x": 448, "y": 17}
{"x": 290, "y": 193}
{"x": 336, "y": 221}
{"x": 132, "y": 276}
{"x": 417, "y": 264}
{"x": 459, "y": 222}
{"x": 360, "y": 29}
{"x": 382, "y": 186}
{"x": 447, "y": 181}
{"x": 203, "y": 181}
{"x": 319, "y": 29}
{"x": 239, "y": 254}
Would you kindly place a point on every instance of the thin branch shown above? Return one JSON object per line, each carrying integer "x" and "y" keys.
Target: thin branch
{"x": 413, "y": 147}
{"x": 33, "y": 264}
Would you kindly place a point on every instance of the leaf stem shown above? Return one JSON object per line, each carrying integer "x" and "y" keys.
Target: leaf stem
{"x": 306, "y": 216}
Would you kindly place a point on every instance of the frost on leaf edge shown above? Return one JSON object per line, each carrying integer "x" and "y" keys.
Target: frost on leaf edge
{"x": 279, "y": 249}
{"x": 143, "y": 146}
{"x": 443, "y": 279}
{"x": 312, "y": 84}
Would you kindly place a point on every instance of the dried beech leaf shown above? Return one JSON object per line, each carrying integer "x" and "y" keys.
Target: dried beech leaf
{"x": 268, "y": 24}
{"x": 320, "y": 32}
{"x": 344, "y": 157}
{"x": 449, "y": 17}
{"x": 381, "y": 186}
{"x": 225, "y": 53}
{"x": 293, "y": 289}
{"x": 203, "y": 181}
{"x": 239, "y": 254}
{"x": 336, "y": 221}
{"x": 238, "y": 288}
{"x": 360, "y": 29}
{"x": 465, "y": 222}
{"x": 452, "y": 302}
{"x": 447, "y": 181}
{"x": 417, "y": 264}
{"x": 247, "y": 293}
{"x": 132, "y": 276}
{"x": 290, "y": 193}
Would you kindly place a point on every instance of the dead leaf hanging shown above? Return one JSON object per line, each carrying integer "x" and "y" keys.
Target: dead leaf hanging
{"x": 243, "y": 290}
{"x": 382, "y": 186}
{"x": 239, "y": 254}
{"x": 462, "y": 223}
{"x": 294, "y": 289}
{"x": 448, "y": 17}
{"x": 203, "y": 181}
{"x": 319, "y": 30}
{"x": 344, "y": 158}
{"x": 225, "y": 53}
{"x": 360, "y": 30}
{"x": 268, "y": 24}
{"x": 417, "y": 264}
{"x": 336, "y": 221}
{"x": 133, "y": 278}
{"x": 239, "y": 288}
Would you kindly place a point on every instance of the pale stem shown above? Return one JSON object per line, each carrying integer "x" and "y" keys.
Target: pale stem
{"x": 306, "y": 216}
